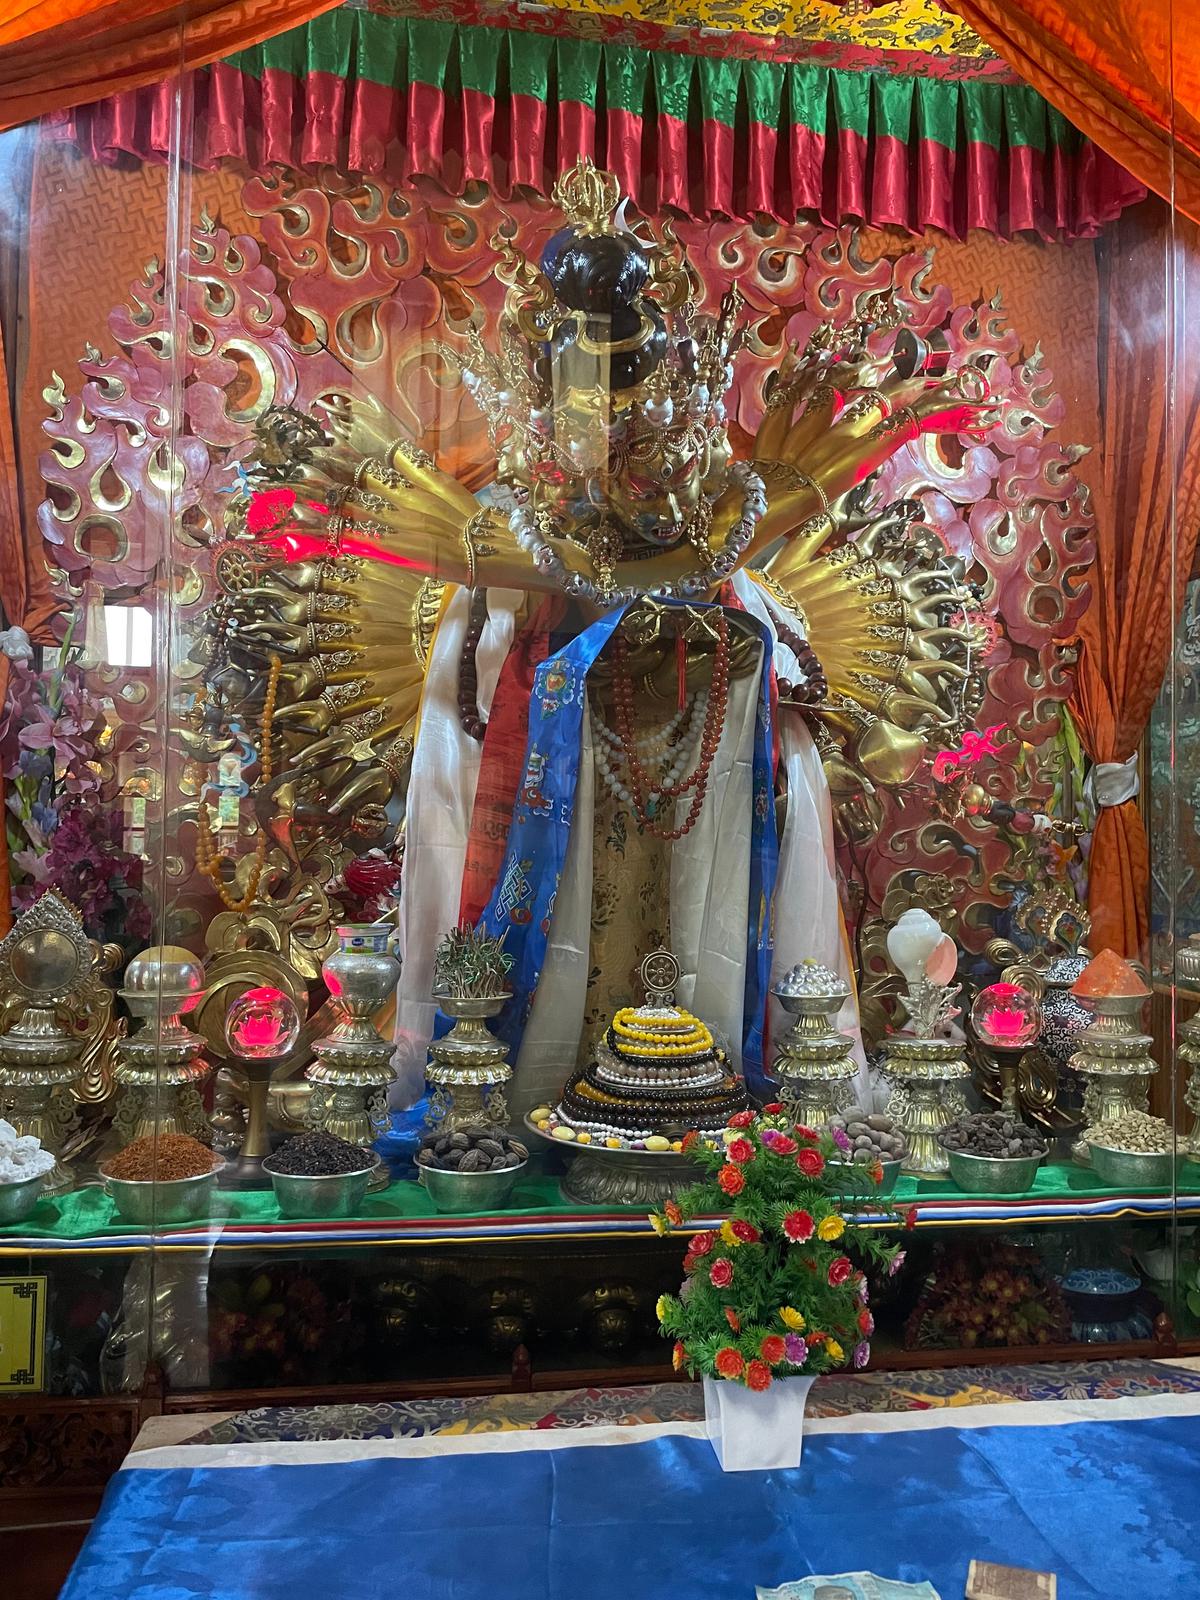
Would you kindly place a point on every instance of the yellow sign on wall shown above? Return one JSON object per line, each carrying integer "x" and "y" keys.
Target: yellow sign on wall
{"x": 22, "y": 1334}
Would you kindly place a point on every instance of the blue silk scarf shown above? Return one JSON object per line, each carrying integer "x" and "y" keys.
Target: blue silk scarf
{"x": 1111, "y": 1507}
{"x": 522, "y": 903}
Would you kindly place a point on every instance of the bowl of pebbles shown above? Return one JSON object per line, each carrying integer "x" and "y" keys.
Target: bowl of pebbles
{"x": 992, "y": 1152}
{"x": 319, "y": 1175}
{"x": 470, "y": 1170}
{"x": 866, "y": 1137}
{"x": 1133, "y": 1149}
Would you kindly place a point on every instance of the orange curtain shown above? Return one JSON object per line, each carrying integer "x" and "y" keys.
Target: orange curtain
{"x": 1111, "y": 67}
{"x": 60, "y": 53}
{"x": 24, "y": 592}
{"x": 1147, "y": 507}
{"x": 25, "y": 598}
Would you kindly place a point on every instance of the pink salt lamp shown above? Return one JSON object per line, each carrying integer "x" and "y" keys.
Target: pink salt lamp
{"x": 1109, "y": 976}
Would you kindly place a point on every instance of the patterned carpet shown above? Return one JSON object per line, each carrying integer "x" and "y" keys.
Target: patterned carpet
{"x": 684, "y": 1402}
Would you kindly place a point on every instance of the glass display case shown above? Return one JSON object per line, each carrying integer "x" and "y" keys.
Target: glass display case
{"x": 572, "y": 581}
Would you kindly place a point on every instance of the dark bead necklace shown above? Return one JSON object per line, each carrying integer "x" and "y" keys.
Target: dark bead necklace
{"x": 814, "y": 687}
{"x": 469, "y": 715}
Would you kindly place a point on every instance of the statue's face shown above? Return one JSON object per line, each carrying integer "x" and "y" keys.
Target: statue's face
{"x": 643, "y": 477}
{"x": 660, "y": 476}
{"x": 657, "y": 485}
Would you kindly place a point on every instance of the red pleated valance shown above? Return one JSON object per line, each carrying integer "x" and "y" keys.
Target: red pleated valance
{"x": 709, "y": 136}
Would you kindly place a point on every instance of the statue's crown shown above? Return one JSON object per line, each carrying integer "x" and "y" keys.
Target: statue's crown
{"x": 605, "y": 369}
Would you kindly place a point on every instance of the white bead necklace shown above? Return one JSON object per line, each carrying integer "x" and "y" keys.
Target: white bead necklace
{"x": 612, "y": 761}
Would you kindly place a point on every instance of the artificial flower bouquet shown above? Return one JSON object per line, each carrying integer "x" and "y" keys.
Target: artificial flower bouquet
{"x": 772, "y": 1293}
{"x": 65, "y": 824}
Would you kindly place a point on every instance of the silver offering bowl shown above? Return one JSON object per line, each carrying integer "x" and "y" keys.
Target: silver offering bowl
{"x": 18, "y": 1199}
{"x": 470, "y": 1192}
{"x": 323, "y": 1194}
{"x": 1139, "y": 1169}
{"x": 994, "y": 1174}
{"x": 154, "y": 1203}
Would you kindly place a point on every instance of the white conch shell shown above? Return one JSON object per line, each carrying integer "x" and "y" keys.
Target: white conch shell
{"x": 943, "y": 963}
{"x": 912, "y": 940}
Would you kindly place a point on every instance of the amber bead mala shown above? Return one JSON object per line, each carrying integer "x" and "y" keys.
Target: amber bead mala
{"x": 640, "y": 784}
{"x": 208, "y": 856}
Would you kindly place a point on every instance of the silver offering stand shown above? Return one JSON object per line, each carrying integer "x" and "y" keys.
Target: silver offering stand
{"x": 814, "y": 1068}
{"x": 161, "y": 1069}
{"x": 926, "y": 1073}
{"x": 354, "y": 1067}
{"x": 1115, "y": 1062}
{"x": 1189, "y": 1052}
{"x": 597, "y": 1176}
{"x": 46, "y": 962}
{"x": 468, "y": 1068}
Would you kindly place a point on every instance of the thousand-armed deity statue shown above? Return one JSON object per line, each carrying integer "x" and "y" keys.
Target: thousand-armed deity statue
{"x": 606, "y": 689}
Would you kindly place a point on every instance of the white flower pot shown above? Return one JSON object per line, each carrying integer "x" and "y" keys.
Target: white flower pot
{"x": 755, "y": 1431}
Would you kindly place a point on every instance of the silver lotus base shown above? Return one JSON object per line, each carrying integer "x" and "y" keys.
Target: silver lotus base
{"x": 927, "y": 1077}
{"x": 812, "y": 1101}
{"x": 599, "y": 1177}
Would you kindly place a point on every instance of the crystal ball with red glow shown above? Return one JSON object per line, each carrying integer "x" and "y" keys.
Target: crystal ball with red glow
{"x": 264, "y": 1022}
{"x": 1006, "y": 1016}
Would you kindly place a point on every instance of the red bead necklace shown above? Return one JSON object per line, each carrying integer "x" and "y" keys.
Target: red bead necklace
{"x": 641, "y": 786}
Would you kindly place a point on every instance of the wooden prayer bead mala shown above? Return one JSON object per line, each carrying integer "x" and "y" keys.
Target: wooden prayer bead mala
{"x": 641, "y": 786}
{"x": 473, "y": 722}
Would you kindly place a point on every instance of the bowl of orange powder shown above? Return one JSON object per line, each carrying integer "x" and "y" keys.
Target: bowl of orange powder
{"x": 161, "y": 1179}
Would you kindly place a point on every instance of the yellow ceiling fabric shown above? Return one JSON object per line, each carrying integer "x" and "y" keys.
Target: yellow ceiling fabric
{"x": 922, "y": 26}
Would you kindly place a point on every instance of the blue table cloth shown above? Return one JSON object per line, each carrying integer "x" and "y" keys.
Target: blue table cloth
{"x": 1104, "y": 1493}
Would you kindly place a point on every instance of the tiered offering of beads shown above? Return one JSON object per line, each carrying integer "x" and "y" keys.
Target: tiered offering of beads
{"x": 656, "y": 1074}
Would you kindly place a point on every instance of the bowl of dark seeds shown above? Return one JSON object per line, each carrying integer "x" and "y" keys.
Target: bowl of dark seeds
{"x": 471, "y": 1169}
{"x": 993, "y": 1153}
{"x": 319, "y": 1175}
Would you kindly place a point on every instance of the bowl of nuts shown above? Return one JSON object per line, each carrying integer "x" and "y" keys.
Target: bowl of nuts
{"x": 993, "y": 1153}
{"x": 471, "y": 1169}
{"x": 866, "y": 1138}
{"x": 1133, "y": 1149}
